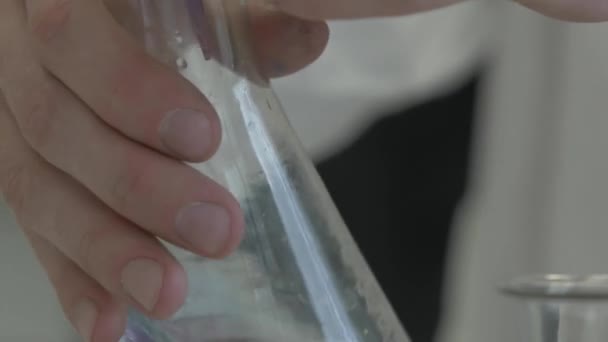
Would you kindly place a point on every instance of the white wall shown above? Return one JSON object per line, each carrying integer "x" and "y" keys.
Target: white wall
{"x": 540, "y": 193}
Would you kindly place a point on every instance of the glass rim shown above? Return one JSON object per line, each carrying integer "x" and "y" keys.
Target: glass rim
{"x": 559, "y": 286}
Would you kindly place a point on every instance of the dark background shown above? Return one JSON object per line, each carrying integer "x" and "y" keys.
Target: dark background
{"x": 397, "y": 187}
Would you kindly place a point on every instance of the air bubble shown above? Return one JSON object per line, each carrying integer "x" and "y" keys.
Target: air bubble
{"x": 181, "y": 63}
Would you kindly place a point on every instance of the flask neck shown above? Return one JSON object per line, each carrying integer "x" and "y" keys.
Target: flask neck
{"x": 220, "y": 29}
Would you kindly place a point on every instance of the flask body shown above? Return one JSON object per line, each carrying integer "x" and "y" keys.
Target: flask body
{"x": 297, "y": 275}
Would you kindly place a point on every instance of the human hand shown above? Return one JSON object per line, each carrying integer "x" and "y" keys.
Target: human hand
{"x": 573, "y": 10}
{"x": 93, "y": 133}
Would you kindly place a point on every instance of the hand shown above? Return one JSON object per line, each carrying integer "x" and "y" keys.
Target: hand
{"x": 574, "y": 10}
{"x": 93, "y": 133}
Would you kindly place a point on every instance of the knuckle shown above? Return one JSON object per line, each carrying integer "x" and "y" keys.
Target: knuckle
{"x": 61, "y": 274}
{"x": 129, "y": 186}
{"x": 50, "y": 19}
{"x": 134, "y": 78}
{"x": 86, "y": 250}
{"x": 36, "y": 118}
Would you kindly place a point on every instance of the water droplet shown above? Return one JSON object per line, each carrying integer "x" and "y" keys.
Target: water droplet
{"x": 181, "y": 63}
{"x": 179, "y": 39}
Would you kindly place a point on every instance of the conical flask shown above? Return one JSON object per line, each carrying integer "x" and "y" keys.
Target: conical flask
{"x": 563, "y": 308}
{"x": 298, "y": 275}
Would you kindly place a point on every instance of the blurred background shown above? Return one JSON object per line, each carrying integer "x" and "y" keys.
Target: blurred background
{"x": 463, "y": 147}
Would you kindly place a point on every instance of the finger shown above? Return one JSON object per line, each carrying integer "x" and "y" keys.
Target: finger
{"x": 336, "y": 9}
{"x": 120, "y": 257}
{"x": 573, "y": 10}
{"x": 280, "y": 44}
{"x": 93, "y": 312}
{"x": 137, "y": 95}
{"x": 283, "y": 44}
{"x": 81, "y": 44}
{"x": 169, "y": 199}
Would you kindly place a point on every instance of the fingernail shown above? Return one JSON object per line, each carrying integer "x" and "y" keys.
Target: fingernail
{"x": 142, "y": 279}
{"x": 84, "y": 316}
{"x": 187, "y": 133}
{"x": 205, "y": 226}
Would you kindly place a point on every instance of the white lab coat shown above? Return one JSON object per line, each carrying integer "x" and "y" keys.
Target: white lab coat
{"x": 538, "y": 193}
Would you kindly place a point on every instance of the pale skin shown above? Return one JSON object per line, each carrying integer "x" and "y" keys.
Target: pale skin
{"x": 94, "y": 132}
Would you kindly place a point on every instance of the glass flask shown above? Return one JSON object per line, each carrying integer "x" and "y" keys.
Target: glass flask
{"x": 298, "y": 275}
{"x": 563, "y": 308}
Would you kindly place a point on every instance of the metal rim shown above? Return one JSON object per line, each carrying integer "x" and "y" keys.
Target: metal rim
{"x": 559, "y": 286}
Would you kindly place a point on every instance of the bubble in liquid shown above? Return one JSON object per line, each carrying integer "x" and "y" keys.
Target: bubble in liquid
{"x": 181, "y": 63}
